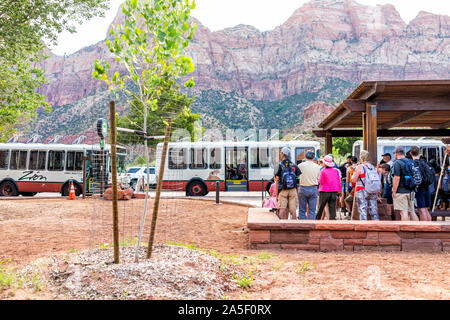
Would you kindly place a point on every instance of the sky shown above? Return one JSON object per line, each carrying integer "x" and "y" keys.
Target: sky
{"x": 219, "y": 14}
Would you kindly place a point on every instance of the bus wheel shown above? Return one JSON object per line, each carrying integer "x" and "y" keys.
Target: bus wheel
{"x": 196, "y": 189}
{"x": 66, "y": 189}
{"x": 28, "y": 194}
{"x": 8, "y": 189}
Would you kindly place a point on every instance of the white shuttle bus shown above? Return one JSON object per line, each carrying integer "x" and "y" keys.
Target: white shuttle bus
{"x": 29, "y": 168}
{"x": 430, "y": 149}
{"x": 195, "y": 167}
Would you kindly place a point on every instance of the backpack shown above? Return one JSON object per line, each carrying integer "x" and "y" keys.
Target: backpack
{"x": 389, "y": 179}
{"x": 413, "y": 176}
{"x": 373, "y": 181}
{"x": 288, "y": 177}
{"x": 427, "y": 173}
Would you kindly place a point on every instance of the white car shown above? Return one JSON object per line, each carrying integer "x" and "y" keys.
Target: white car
{"x": 134, "y": 174}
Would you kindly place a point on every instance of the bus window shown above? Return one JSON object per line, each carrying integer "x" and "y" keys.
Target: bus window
{"x": 431, "y": 153}
{"x": 120, "y": 163}
{"x": 275, "y": 155}
{"x": 254, "y": 163}
{"x": 56, "y": 160}
{"x": 300, "y": 154}
{"x": 390, "y": 150}
{"x": 4, "y": 159}
{"x": 74, "y": 162}
{"x": 198, "y": 156}
{"x": 18, "y": 160}
{"x": 259, "y": 158}
{"x": 37, "y": 160}
{"x": 264, "y": 157}
{"x": 214, "y": 158}
{"x": 152, "y": 170}
{"x": 357, "y": 150}
{"x": 177, "y": 158}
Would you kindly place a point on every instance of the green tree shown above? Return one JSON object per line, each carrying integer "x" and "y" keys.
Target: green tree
{"x": 24, "y": 26}
{"x": 150, "y": 45}
{"x": 343, "y": 146}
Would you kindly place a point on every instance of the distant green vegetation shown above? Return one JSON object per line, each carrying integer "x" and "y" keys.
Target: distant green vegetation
{"x": 230, "y": 109}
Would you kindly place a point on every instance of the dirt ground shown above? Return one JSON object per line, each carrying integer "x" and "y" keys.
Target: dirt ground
{"x": 34, "y": 228}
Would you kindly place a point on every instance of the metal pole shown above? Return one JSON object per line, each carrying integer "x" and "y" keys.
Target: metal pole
{"x": 102, "y": 169}
{"x": 262, "y": 192}
{"x": 217, "y": 191}
{"x": 83, "y": 186}
{"x": 158, "y": 190}
{"x": 138, "y": 244}
{"x": 115, "y": 209}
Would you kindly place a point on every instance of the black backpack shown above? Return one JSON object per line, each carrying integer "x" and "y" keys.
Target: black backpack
{"x": 288, "y": 177}
{"x": 427, "y": 173}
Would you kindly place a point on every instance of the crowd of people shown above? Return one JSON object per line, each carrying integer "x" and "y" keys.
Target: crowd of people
{"x": 319, "y": 187}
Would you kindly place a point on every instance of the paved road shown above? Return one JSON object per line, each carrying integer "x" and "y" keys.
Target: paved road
{"x": 247, "y": 198}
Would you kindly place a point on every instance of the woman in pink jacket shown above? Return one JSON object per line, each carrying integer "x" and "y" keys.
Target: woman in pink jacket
{"x": 329, "y": 186}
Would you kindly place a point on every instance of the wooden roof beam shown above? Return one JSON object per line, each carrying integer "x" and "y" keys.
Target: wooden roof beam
{"x": 402, "y": 119}
{"x": 387, "y": 133}
{"x": 374, "y": 92}
{"x": 344, "y": 114}
{"x": 444, "y": 125}
{"x": 355, "y": 105}
{"x": 416, "y": 105}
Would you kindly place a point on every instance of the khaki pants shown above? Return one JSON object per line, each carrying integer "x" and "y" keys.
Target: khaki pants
{"x": 288, "y": 202}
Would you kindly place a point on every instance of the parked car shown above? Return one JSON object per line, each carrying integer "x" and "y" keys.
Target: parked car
{"x": 134, "y": 174}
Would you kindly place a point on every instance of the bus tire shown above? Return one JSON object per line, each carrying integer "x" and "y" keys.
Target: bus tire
{"x": 65, "y": 190}
{"x": 28, "y": 194}
{"x": 196, "y": 188}
{"x": 8, "y": 189}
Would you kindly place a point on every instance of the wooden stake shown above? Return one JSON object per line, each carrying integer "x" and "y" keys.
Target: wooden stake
{"x": 439, "y": 181}
{"x": 158, "y": 190}
{"x": 115, "y": 209}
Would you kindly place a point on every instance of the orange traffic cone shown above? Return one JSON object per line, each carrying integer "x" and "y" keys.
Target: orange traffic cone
{"x": 72, "y": 195}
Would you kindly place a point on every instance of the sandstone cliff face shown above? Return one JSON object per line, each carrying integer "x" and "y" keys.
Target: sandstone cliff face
{"x": 314, "y": 113}
{"x": 322, "y": 40}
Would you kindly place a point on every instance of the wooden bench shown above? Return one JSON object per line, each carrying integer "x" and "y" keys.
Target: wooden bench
{"x": 439, "y": 213}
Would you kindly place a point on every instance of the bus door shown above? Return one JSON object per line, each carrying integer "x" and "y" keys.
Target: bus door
{"x": 96, "y": 171}
{"x": 431, "y": 153}
{"x": 236, "y": 168}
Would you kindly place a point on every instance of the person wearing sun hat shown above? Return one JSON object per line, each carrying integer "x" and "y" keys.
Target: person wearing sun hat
{"x": 329, "y": 186}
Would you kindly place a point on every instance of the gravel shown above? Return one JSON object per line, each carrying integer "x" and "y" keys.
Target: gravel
{"x": 173, "y": 272}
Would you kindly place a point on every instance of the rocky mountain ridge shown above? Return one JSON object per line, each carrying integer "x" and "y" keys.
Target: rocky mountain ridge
{"x": 321, "y": 53}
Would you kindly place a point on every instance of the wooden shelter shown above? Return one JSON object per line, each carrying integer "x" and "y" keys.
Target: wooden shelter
{"x": 414, "y": 108}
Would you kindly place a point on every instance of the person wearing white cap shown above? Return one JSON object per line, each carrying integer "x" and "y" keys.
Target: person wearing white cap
{"x": 287, "y": 174}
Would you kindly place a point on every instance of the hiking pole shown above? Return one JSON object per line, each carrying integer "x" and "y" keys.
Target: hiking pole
{"x": 439, "y": 181}
{"x": 353, "y": 205}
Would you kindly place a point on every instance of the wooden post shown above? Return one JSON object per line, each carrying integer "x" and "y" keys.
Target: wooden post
{"x": 328, "y": 143}
{"x": 158, "y": 190}
{"x": 371, "y": 135}
{"x": 364, "y": 128}
{"x": 115, "y": 209}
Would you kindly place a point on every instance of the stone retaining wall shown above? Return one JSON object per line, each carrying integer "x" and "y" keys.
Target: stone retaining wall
{"x": 267, "y": 231}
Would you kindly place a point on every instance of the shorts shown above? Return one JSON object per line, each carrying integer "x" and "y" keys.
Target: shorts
{"x": 404, "y": 202}
{"x": 288, "y": 198}
{"x": 423, "y": 199}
